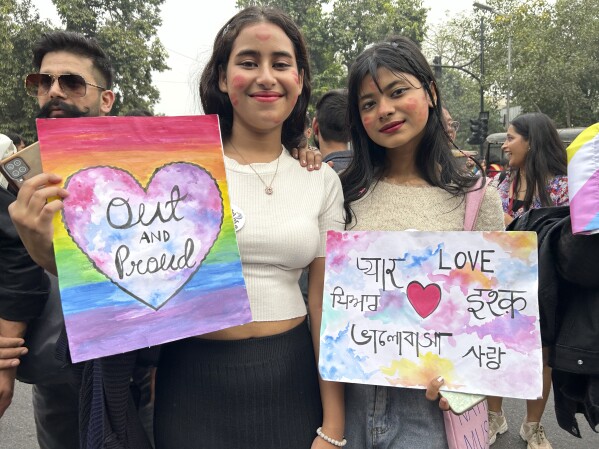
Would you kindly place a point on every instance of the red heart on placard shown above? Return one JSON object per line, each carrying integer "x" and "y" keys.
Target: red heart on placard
{"x": 424, "y": 299}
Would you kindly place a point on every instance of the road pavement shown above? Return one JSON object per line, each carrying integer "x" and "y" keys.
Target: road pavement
{"x": 17, "y": 428}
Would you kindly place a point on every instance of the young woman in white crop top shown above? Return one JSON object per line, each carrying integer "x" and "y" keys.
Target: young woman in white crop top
{"x": 256, "y": 385}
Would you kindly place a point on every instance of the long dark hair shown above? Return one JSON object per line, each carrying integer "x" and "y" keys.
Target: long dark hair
{"x": 216, "y": 102}
{"x": 546, "y": 158}
{"x": 434, "y": 158}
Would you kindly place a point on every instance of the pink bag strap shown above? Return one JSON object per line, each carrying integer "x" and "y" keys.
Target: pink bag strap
{"x": 474, "y": 199}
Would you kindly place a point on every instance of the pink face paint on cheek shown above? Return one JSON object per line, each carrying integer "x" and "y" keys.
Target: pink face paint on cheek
{"x": 366, "y": 121}
{"x": 234, "y": 99}
{"x": 411, "y": 105}
{"x": 239, "y": 82}
{"x": 296, "y": 78}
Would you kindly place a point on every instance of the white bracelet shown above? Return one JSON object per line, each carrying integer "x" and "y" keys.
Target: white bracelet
{"x": 328, "y": 439}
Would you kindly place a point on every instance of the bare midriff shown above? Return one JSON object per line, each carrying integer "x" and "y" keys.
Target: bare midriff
{"x": 255, "y": 329}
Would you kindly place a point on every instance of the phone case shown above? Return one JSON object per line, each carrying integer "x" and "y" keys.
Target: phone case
{"x": 460, "y": 402}
{"x": 468, "y": 430}
{"x": 22, "y": 165}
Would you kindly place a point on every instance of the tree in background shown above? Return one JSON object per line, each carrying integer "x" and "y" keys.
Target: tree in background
{"x": 356, "y": 23}
{"x": 452, "y": 42}
{"x": 555, "y": 57}
{"x": 21, "y": 28}
{"x": 126, "y": 30}
{"x": 128, "y": 33}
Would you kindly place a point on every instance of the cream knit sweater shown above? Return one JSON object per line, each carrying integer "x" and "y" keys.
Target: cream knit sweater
{"x": 391, "y": 207}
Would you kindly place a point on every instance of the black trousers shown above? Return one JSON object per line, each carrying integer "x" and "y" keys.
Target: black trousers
{"x": 56, "y": 411}
{"x": 257, "y": 393}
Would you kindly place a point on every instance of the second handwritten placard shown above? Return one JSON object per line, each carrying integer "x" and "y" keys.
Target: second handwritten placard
{"x": 401, "y": 308}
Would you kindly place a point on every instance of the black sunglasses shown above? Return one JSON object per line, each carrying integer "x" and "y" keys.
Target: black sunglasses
{"x": 39, "y": 84}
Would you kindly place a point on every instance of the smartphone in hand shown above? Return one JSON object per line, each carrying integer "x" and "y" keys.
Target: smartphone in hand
{"x": 22, "y": 165}
{"x": 461, "y": 402}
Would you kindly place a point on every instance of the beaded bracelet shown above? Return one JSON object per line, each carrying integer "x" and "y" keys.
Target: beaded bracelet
{"x": 328, "y": 439}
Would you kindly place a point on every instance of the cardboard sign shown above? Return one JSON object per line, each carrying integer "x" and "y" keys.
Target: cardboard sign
{"x": 145, "y": 246}
{"x": 401, "y": 308}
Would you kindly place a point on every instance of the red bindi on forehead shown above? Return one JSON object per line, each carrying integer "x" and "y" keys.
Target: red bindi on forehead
{"x": 262, "y": 36}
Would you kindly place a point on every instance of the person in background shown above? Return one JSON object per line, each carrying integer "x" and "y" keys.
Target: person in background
{"x": 570, "y": 300}
{"x": 24, "y": 290}
{"x": 537, "y": 166}
{"x": 331, "y": 135}
{"x": 17, "y": 140}
{"x": 402, "y": 176}
{"x": 7, "y": 148}
{"x": 72, "y": 78}
{"x": 494, "y": 169}
{"x": 330, "y": 129}
{"x": 467, "y": 159}
{"x": 536, "y": 177}
{"x": 451, "y": 126}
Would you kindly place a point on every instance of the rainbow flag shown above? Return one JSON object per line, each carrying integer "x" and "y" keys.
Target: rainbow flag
{"x": 583, "y": 181}
{"x": 145, "y": 246}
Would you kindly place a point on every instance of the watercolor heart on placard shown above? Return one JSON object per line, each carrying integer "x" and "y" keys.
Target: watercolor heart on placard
{"x": 424, "y": 300}
{"x": 148, "y": 241}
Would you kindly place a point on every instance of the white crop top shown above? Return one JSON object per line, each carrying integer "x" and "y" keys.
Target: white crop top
{"x": 284, "y": 232}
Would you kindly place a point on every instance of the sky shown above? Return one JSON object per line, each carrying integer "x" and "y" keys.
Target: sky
{"x": 187, "y": 33}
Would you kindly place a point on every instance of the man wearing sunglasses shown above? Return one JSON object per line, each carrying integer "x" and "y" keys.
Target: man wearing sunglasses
{"x": 73, "y": 78}
{"x": 70, "y": 82}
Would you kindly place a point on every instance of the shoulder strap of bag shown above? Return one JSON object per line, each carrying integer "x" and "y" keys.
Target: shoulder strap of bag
{"x": 474, "y": 199}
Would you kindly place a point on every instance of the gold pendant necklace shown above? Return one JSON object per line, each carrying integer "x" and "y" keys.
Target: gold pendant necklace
{"x": 267, "y": 187}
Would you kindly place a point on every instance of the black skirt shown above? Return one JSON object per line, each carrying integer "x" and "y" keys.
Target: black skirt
{"x": 256, "y": 393}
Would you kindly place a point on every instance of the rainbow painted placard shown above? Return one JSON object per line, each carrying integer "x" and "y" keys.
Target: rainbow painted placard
{"x": 402, "y": 308}
{"x": 145, "y": 246}
{"x": 583, "y": 181}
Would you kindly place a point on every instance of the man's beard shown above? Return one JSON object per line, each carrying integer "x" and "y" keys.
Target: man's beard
{"x": 68, "y": 110}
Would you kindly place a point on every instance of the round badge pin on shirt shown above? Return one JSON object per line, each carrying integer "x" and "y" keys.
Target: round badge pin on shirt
{"x": 238, "y": 217}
